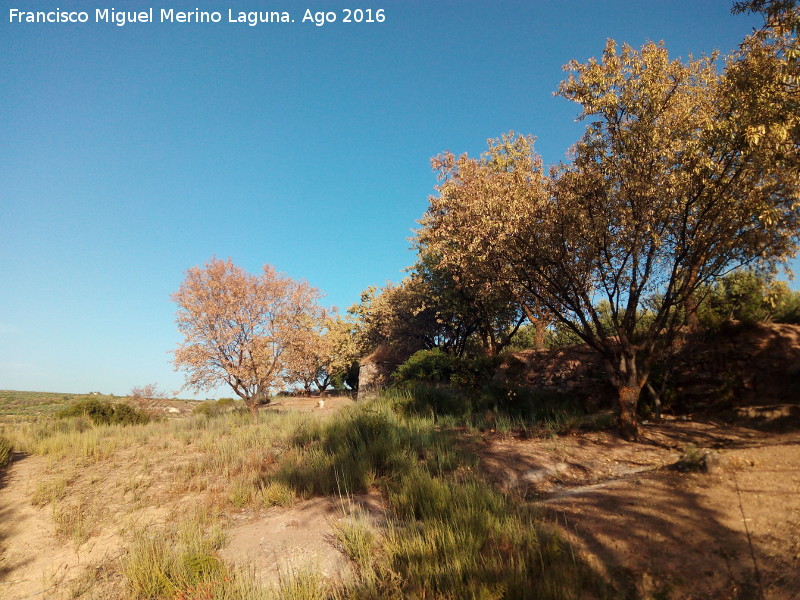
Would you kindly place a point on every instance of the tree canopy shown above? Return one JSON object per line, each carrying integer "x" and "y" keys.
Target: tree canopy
{"x": 241, "y": 329}
{"x": 683, "y": 174}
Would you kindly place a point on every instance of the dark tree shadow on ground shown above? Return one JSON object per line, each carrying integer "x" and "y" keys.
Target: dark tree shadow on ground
{"x": 678, "y": 535}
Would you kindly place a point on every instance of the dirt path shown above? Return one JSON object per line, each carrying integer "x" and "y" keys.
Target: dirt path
{"x": 731, "y": 534}
{"x": 34, "y": 563}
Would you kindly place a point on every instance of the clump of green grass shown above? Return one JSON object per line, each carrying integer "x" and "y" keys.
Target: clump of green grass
{"x": 76, "y": 521}
{"x": 359, "y": 447}
{"x": 49, "y": 491}
{"x": 357, "y": 539}
{"x": 450, "y": 534}
{"x": 181, "y": 563}
{"x": 241, "y": 491}
{"x": 6, "y": 452}
{"x": 457, "y": 537}
{"x": 305, "y": 584}
{"x": 276, "y": 493}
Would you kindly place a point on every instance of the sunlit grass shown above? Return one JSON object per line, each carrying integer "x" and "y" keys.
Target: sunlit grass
{"x": 447, "y": 533}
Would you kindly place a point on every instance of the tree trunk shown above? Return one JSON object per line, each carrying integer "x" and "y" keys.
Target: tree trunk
{"x": 656, "y": 400}
{"x": 540, "y": 335}
{"x": 690, "y": 318}
{"x": 629, "y": 377}
{"x": 252, "y": 406}
{"x": 628, "y": 401}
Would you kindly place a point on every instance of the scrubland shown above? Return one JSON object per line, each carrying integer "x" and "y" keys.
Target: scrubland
{"x": 378, "y": 499}
{"x": 151, "y": 502}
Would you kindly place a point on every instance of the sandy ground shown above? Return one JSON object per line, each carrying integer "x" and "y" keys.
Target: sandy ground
{"x": 659, "y": 533}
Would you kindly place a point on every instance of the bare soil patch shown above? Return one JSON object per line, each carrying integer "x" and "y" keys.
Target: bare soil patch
{"x": 284, "y": 541}
{"x": 661, "y": 533}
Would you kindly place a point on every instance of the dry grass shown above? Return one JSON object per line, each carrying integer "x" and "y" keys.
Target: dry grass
{"x": 449, "y": 533}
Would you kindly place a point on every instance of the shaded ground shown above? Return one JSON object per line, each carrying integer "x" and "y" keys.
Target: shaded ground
{"x": 662, "y": 533}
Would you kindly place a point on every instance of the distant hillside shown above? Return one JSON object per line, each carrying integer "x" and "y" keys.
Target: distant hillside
{"x": 31, "y": 404}
{"x": 28, "y": 404}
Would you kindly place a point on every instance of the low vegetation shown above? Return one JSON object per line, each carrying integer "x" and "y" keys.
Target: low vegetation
{"x": 448, "y": 533}
{"x": 5, "y": 452}
{"x": 100, "y": 412}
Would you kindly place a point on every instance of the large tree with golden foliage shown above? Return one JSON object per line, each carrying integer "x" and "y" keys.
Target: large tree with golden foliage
{"x": 239, "y": 328}
{"x": 683, "y": 174}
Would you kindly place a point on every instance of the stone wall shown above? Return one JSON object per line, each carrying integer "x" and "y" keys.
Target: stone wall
{"x": 375, "y": 370}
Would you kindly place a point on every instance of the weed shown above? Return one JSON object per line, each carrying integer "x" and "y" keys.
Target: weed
{"x": 241, "y": 491}
{"x": 6, "y": 452}
{"x": 450, "y": 534}
{"x": 693, "y": 459}
{"x": 357, "y": 539}
{"x": 276, "y": 493}
{"x": 305, "y": 584}
{"x": 74, "y": 521}
{"x": 49, "y": 491}
{"x": 180, "y": 563}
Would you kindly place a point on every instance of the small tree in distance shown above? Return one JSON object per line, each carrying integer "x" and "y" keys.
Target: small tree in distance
{"x": 147, "y": 392}
{"x": 238, "y": 328}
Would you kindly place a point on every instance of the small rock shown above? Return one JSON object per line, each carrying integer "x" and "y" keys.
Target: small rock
{"x": 714, "y": 462}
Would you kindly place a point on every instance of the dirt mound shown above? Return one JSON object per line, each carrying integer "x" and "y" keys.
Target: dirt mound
{"x": 739, "y": 366}
{"x": 284, "y": 541}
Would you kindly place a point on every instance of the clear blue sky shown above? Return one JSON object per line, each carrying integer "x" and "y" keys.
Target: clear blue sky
{"x": 129, "y": 154}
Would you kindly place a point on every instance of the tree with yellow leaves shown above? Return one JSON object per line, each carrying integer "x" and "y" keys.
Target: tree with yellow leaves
{"x": 682, "y": 175}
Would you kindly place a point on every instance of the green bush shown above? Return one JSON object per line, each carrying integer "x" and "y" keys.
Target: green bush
{"x": 207, "y": 408}
{"x": 788, "y": 309}
{"x": 211, "y": 408}
{"x": 429, "y": 366}
{"x": 101, "y": 412}
{"x": 747, "y": 297}
{"x": 436, "y": 367}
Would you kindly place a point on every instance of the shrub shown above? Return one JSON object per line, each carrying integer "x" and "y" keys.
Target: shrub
{"x": 207, "y": 408}
{"x": 745, "y": 296}
{"x": 210, "y": 408}
{"x": 101, "y": 412}
{"x": 437, "y": 367}
{"x": 429, "y": 366}
{"x": 788, "y": 309}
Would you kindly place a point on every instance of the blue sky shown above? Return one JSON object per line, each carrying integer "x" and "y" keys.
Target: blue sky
{"x": 129, "y": 154}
